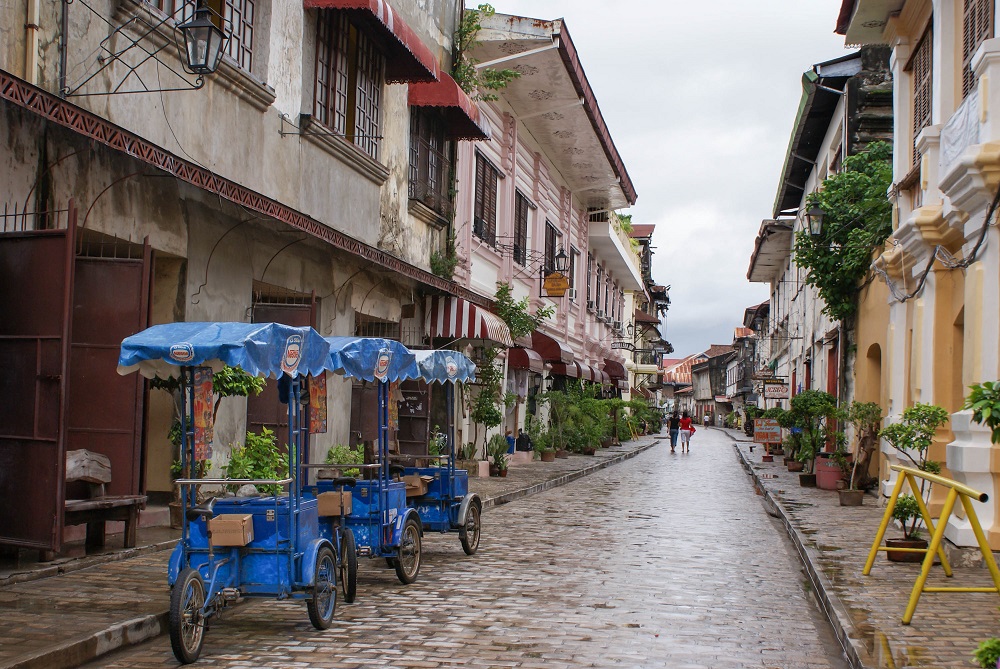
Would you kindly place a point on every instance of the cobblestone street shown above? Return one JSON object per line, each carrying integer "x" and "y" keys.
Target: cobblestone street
{"x": 664, "y": 560}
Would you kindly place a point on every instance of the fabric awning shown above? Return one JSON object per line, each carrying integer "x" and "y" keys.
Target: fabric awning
{"x": 462, "y": 119}
{"x": 641, "y": 316}
{"x": 455, "y": 318}
{"x": 605, "y": 379}
{"x": 525, "y": 358}
{"x": 615, "y": 369}
{"x": 586, "y": 373}
{"x": 640, "y": 391}
{"x": 562, "y": 369}
{"x": 408, "y": 58}
{"x": 622, "y": 384}
{"x": 550, "y": 349}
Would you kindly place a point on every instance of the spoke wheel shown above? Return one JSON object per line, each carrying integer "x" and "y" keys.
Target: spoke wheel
{"x": 468, "y": 534}
{"x": 187, "y": 619}
{"x": 408, "y": 563}
{"x": 324, "y": 591}
{"x": 348, "y": 565}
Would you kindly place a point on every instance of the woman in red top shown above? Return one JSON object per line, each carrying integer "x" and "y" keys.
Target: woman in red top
{"x": 687, "y": 429}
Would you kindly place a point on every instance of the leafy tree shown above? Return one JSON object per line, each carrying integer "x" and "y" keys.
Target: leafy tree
{"x": 473, "y": 80}
{"x": 516, "y": 314}
{"x": 857, "y": 220}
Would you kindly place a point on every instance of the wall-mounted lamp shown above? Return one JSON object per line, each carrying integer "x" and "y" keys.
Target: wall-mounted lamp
{"x": 203, "y": 42}
{"x": 561, "y": 261}
{"x": 814, "y": 217}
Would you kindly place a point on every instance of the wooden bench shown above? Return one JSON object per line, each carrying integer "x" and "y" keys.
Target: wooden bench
{"x": 94, "y": 469}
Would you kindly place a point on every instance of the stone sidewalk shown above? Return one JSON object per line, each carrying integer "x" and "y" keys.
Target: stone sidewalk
{"x": 866, "y": 611}
{"x": 63, "y": 614}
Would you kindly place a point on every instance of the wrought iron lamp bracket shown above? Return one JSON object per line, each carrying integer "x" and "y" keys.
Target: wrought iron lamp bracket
{"x": 143, "y": 41}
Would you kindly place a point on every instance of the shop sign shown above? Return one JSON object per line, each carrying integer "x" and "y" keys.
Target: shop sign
{"x": 622, "y": 346}
{"x": 766, "y": 431}
{"x": 555, "y": 284}
{"x": 777, "y": 390}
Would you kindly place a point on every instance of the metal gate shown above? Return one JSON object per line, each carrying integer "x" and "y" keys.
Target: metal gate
{"x": 64, "y": 309}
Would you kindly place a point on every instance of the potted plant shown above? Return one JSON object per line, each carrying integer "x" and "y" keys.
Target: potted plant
{"x": 811, "y": 413}
{"x": 341, "y": 454}
{"x": 907, "y": 512}
{"x": 258, "y": 457}
{"x": 437, "y": 446}
{"x": 466, "y": 458}
{"x": 866, "y": 417}
{"x": 497, "y": 447}
{"x": 912, "y": 438}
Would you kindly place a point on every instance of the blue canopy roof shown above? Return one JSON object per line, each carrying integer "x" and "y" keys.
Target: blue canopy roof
{"x": 443, "y": 366}
{"x": 371, "y": 358}
{"x": 260, "y": 349}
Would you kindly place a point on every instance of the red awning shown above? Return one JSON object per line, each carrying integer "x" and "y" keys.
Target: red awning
{"x": 455, "y": 318}
{"x": 615, "y": 369}
{"x": 550, "y": 349}
{"x": 408, "y": 58}
{"x": 525, "y": 358}
{"x": 604, "y": 378}
{"x": 563, "y": 369}
{"x": 586, "y": 373}
{"x": 461, "y": 113}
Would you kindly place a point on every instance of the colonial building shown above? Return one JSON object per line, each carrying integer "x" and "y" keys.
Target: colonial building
{"x": 941, "y": 264}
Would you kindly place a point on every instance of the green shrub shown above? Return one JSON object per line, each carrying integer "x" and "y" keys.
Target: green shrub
{"x": 341, "y": 454}
{"x": 907, "y": 512}
{"x": 988, "y": 653}
{"x": 258, "y": 458}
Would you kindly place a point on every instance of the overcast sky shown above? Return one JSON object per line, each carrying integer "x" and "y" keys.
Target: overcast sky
{"x": 700, "y": 99}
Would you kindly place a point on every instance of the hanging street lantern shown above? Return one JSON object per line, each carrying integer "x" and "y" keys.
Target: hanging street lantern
{"x": 203, "y": 42}
{"x": 815, "y": 219}
{"x": 561, "y": 261}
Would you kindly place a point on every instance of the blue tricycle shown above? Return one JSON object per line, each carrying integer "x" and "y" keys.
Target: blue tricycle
{"x": 379, "y": 523}
{"x": 448, "y": 506}
{"x": 271, "y": 546}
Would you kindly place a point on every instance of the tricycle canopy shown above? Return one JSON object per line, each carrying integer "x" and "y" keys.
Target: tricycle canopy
{"x": 371, "y": 359}
{"x": 260, "y": 349}
{"x": 443, "y": 366}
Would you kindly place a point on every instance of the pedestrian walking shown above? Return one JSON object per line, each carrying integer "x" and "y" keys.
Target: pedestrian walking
{"x": 685, "y": 432}
{"x": 674, "y": 424}
{"x": 509, "y": 436}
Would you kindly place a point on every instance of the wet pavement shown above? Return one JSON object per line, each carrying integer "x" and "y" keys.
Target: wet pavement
{"x": 66, "y": 612}
{"x": 660, "y": 561}
{"x": 867, "y": 610}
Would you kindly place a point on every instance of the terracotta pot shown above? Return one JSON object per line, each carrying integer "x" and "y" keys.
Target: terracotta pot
{"x": 589, "y": 451}
{"x": 503, "y": 473}
{"x": 795, "y": 466}
{"x": 851, "y": 497}
{"x": 828, "y": 473}
{"x": 807, "y": 480}
{"x": 494, "y": 470}
{"x": 767, "y": 457}
{"x": 548, "y": 456}
{"x": 900, "y": 556}
{"x": 562, "y": 453}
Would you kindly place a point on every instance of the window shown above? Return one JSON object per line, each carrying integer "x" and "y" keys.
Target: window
{"x": 239, "y": 14}
{"x": 590, "y": 276}
{"x": 574, "y": 262}
{"x": 607, "y": 290}
{"x": 430, "y": 165}
{"x": 597, "y": 289}
{"x": 484, "y": 225}
{"x": 621, "y": 304}
{"x": 551, "y": 239}
{"x": 977, "y": 26}
{"x": 349, "y": 71}
{"x": 921, "y": 77}
{"x": 521, "y": 207}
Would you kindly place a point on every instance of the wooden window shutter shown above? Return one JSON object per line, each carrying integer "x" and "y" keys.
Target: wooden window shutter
{"x": 977, "y": 26}
{"x": 922, "y": 78}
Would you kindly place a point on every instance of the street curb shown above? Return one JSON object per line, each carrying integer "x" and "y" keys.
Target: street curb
{"x": 565, "y": 478}
{"x": 833, "y": 608}
{"x": 80, "y": 651}
{"x": 138, "y": 630}
{"x": 77, "y": 564}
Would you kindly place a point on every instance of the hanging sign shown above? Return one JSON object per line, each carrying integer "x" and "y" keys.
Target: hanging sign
{"x": 317, "y": 404}
{"x": 777, "y": 389}
{"x": 623, "y": 346}
{"x": 555, "y": 284}
{"x": 202, "y": 413}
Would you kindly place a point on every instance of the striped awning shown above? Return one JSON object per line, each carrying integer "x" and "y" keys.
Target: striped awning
{"x": 455, "y": 318}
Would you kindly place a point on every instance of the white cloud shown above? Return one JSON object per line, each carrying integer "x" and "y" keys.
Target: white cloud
{"x": 700, "y": 100}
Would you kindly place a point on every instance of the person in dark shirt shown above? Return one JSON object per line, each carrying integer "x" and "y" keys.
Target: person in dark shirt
{"x": 523, "y": 441}
{"x": 675, "y": 425}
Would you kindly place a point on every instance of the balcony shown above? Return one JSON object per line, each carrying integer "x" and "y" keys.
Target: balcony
{"x": 615, "y": 248}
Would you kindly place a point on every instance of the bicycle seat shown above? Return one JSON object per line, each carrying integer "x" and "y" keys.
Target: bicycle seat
{"x": 202, "y": 510}
{"x": 343, "y": 481}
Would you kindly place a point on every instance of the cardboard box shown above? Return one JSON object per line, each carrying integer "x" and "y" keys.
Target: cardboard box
{"x": 416, "y": 485}
{"x": 231, "y": 529}
{"x": 331, "y": 503}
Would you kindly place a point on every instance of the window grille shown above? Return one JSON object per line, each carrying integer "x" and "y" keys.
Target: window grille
{"x": 240, "y": 14}
{"x": 521, "y": 207}
{"x": 485, "y": 217}
{"x": 430, "y": 164}
{"x": 551, "y": 238}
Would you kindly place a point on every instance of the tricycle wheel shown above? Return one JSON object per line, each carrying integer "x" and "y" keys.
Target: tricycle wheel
{"x": 324, "y": 591}
{"x": 348, "y": 565}
{"x": 408, "y": 561}
{"x": 468, "y": 534}
{"x": 187, "y": 620}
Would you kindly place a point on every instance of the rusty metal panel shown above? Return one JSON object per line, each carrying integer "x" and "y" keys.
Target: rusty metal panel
{"x": 35, "y": 279}
{"x": 364, "y": 413}
{"x": 104, "y": 408}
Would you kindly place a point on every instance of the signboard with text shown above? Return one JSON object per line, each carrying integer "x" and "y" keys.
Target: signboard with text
{"x": 777, "y": 390}
{"x": 766, "y": 431}
{"x": 555, "y": 284}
